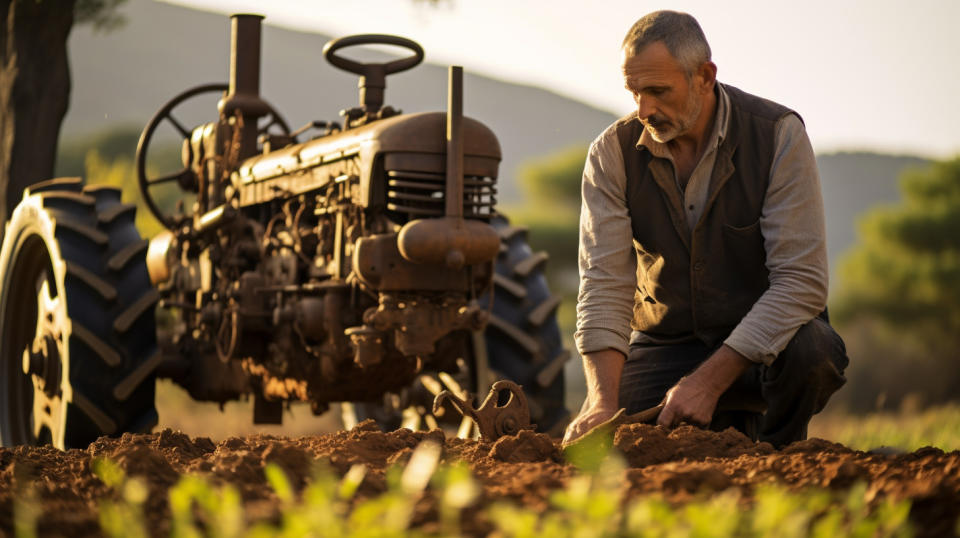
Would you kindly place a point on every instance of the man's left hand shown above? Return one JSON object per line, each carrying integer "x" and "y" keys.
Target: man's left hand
{"x": 690, "y": 400}
{"x": 694, "y": 398}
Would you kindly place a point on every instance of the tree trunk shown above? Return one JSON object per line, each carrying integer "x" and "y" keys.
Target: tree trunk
{"x": 34, "y": 92}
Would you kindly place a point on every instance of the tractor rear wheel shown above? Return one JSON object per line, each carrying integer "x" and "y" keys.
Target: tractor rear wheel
{"x": 77, "y": 333}
{"x": 523, "y": 338}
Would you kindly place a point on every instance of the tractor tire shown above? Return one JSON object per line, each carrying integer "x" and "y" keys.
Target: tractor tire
{"x": 523, "y": 338}
{"x": 78, "y": 346}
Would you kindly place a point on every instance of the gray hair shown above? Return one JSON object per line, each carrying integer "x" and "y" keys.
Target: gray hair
{"x": 679, "y": 32}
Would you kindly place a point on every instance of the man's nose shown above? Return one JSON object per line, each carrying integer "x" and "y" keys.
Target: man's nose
{"x": 645, "y": 107}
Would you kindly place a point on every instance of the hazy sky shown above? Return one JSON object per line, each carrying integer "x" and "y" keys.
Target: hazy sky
{"x": 878, "y": 75}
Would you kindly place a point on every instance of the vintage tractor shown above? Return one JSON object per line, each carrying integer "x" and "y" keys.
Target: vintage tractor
{"x": 365, "y": 264}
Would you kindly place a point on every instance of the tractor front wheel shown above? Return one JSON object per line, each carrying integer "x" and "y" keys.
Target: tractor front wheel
{"x": 77, "y": 333}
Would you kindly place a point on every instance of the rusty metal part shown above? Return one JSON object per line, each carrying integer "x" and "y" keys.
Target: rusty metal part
{"x": 377, "y": 261}
{"x": 368, "y": 343}
{"x": 158, "y": 262}
{"x": 418, "y": 322}
{"x": 449, "y": 241}
{"x": 454, "y": 198}
{"x": 244, "y": 93}
{"x": 493, "y": 420}
{"x": 411, "y": 145}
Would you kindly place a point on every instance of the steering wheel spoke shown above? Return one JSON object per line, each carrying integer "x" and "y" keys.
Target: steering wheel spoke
{"x": 177, "y": 125}
{"x": 176, "y": 176}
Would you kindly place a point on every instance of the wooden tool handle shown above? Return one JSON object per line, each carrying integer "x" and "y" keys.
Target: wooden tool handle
{"x": 649, "y": 415}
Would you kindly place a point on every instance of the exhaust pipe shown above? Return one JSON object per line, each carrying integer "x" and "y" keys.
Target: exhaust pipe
{"x": 244, "y": 92}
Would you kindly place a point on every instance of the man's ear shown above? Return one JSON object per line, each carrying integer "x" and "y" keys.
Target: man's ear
{"x": 707, "y": 76}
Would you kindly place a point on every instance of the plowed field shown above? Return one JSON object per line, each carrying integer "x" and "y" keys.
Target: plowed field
{"x": 680, "y": 465}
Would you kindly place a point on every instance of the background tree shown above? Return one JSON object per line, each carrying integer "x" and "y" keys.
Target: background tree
{"x": 35, "y": 84}
{"x": 551, "y": 187}
{"x": 898, "y": 300}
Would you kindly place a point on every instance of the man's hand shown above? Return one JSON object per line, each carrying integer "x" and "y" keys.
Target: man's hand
{"x": 690, "y": 400}
{"x": 591, "y": 414}
{"x": 602, "y": 370}
{"x": 694, "y": 398}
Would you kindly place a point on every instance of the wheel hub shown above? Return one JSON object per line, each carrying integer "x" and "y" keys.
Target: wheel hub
{"x": 42, "y": 361}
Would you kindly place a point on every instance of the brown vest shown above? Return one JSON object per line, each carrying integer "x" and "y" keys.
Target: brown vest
{"x": 705, "y": 284}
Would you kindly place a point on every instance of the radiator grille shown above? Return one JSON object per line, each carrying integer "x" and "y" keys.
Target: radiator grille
{"x": 417, "y": 195}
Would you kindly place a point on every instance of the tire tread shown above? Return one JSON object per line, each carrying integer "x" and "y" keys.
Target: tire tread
{"x": 94, "y": 235}
{"x": 536, "y": 262}
{"x": 57, "y": 184}
{"x": 113, "y": 213}
{"x": 128, "y": 317}
{"x": 97, "y": 415}
{"x": 107, "y": 354}
{"x": 543, "y": 311}
{"x": 92, "y": 281}
{"x": 125, "y": 387}
{"x": 127, "y": 254}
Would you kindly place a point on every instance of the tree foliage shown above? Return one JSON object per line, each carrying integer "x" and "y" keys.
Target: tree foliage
{"x": 101, "y": 14}
{"x": 906, "y": 271}
{"x": 555, "y": 178}
{"x": 898, "y": 302}
{"x": 551, "y": 187}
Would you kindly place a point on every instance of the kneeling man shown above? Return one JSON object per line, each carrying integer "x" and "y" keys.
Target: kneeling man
{"x": 702, "y": 229}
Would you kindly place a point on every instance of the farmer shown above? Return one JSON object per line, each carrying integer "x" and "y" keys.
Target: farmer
{"x": 702, "y": 229}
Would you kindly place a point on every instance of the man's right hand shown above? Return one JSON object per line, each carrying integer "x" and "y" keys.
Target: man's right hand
{"x": 602, "y": 371}
{"x": 589, "y": 417}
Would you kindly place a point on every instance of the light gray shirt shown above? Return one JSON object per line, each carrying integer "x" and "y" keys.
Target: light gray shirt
{"x": 792, "y": 224}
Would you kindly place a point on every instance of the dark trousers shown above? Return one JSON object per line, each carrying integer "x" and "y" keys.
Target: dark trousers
{"x": 768, "y": 403}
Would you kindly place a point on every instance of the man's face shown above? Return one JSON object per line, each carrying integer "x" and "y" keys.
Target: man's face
{"x": 668, "y": 104}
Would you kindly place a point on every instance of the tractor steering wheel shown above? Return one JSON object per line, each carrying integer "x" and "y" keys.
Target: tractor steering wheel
{"x": 372, "y": 69}
{"x": 373, "y": 76}
{"x": 185, "y": 178}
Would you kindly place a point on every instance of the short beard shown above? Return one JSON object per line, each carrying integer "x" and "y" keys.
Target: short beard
{"x": 691, "y": 114}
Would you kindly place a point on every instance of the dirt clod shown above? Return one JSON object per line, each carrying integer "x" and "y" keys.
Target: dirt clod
{"x": 525, "y": 446}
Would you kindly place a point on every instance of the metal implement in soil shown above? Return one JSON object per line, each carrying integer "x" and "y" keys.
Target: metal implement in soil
{"x": 358, "y": 260}
{"x": 601, "y": 435}
{"x": 493, "y": 419}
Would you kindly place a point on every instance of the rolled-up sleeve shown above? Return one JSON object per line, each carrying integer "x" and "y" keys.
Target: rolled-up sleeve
{"x": 607, "y": 260}
{"x": 794, "y": 232}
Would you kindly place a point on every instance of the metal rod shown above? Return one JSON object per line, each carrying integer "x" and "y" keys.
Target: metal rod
{"x": 454, "y": 198}
{"x": 245, "y": 76}
{"x": 245, "y": 54}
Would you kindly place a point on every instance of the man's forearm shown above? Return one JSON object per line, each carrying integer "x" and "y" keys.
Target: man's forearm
{"x": 721, "y": 369}
{"x": 602, "y": 370}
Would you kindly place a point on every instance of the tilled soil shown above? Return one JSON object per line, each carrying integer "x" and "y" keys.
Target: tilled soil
{"x": 680, "y": 465}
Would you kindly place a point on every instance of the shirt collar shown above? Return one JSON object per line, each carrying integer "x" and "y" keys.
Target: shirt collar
{"x": 717, "y": 136}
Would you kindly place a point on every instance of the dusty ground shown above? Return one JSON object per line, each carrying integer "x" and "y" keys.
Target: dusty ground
{"x": 679, "y": 464}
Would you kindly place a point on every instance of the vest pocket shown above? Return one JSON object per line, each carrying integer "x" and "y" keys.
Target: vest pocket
{"x": 744, "y": 249}
{"x": 743, "y": 231}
